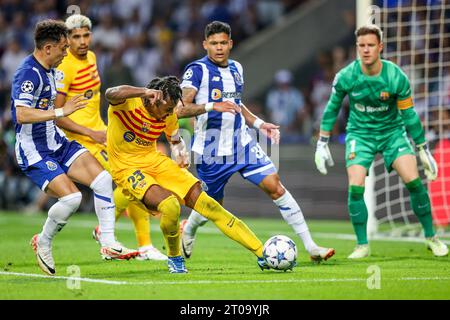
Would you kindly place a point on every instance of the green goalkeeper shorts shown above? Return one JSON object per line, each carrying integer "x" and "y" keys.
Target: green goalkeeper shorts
{"x": 361, "y": 149}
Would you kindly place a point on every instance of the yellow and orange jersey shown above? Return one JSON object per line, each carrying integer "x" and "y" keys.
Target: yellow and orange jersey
{"x": 133, "y": 133}
{"x": 74, "y": 76}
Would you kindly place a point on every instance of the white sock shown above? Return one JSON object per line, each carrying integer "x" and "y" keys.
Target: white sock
{"x": 58, "y": 215}
{"x": 195, "y": 220}
{"x": 293, "y": 215}
{"x": 104, "y": 207}
{"x": 145, "y": 248}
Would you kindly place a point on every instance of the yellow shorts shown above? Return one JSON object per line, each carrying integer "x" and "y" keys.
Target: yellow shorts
{"x": 98, "y": 150}
{"x": 162, "y": 171}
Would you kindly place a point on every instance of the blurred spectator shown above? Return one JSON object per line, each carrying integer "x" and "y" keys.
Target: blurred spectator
{"x": 12, "y": 58}
{"x": 285, "y": 106}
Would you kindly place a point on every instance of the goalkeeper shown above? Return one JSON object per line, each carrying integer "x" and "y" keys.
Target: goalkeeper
{"x": 381, "y": 113}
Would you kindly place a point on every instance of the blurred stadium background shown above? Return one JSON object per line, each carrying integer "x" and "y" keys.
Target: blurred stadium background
{"x": 284, "y": 45}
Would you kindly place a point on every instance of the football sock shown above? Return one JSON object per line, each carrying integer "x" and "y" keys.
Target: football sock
{"x": 141, "y": 222}
{"x": 358, "y": 212}
{"x": 420, "y": 203}
{"x": 169, "y": 223}
{"x": 58, "y": 215}
{"x": 228, "y": 223}
{"x": 292, "y": 214}
{"x": 194, "y": 221}
{"x": 120, "y": 201}
{"x": 104, "y": 207}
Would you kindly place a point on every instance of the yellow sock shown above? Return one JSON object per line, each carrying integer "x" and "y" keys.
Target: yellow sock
{"x": 121, "y": 202}
{"x": 141, "y": 221}
{"x": 170, "y": 221}
{"x": 228, "y": 223}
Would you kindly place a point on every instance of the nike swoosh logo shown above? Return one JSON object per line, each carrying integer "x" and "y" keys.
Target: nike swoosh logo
{"x": 401, "y": 149}
{"x": 355, "y": 94}
{"x": 117, "y": 250}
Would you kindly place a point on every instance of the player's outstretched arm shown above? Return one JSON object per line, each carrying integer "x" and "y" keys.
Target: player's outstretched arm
{"x": 70, "y": 125}
{"x": 118, "y": 95}
{"x": 191, "y": 109}
{"x": 268, "y": 129}
{"x": 26, "y": 115}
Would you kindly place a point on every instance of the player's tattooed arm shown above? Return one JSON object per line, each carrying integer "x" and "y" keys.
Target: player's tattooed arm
{"x": 191, "y": 109}
{"x": 118, "y": 95}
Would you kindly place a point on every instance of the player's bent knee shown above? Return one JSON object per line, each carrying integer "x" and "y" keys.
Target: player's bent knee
{"x": 65, "y": 206}
{"x": 170, "y": 209}
{"x": 102, "y": 184}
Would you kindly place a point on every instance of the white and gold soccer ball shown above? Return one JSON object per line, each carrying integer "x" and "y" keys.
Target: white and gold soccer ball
{"x": 280, "y": 253}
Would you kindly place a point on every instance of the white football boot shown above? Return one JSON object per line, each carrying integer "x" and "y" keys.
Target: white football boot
{"x": 320, "y": 253}
{"x": 187, "y": 241}
{"x": 360, "y": 251}
{"x": 438, "y": 248}
{"x": 150, "y": 253}
{"x": 44, "y": 256}
{"x": 117, "y": 251}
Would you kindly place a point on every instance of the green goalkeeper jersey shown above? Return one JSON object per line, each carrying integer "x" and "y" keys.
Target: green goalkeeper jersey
{"x": 375, "y": 101}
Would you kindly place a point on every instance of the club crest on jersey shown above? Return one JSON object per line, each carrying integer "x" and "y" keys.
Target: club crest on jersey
{"x": 43, "y": 103}
{"x": 216, "y": 94}
{"x": 384, "y": 96}
{"x": 89, "y": 94}
{"x": 27, "y": 86}
{"x": 145, "y": 126}
{"x": 237, "y": 78}
{"x": 129, "y": 136}
{"x": 51, "y": 165}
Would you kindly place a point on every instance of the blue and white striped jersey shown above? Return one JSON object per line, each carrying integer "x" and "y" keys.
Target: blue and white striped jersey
{"x": 33, "y": 86}
{"x": 217, "y": 133}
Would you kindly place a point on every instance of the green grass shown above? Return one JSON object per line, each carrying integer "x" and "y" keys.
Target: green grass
{"x": 219, "y": 267}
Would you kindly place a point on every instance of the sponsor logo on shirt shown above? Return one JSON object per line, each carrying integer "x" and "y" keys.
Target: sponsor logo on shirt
{"x": 129, "y": 136}
{"x": 216, "y": 94}
{"x": 370, "y": 109}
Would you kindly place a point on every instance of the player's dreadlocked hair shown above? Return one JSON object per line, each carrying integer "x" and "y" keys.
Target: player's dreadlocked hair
{"x": 170, "y": 87}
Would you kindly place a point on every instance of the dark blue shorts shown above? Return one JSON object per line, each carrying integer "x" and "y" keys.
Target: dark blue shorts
{"x": 253, "y": 164}
{"x": 54, "y": 164}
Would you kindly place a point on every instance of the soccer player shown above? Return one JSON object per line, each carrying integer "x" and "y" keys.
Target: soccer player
{"x": 137, "y": 117}
{"x": 212, "y": 89}
{"x": 78, "y": 74}
{"x": 47, "y": 157}
{"x": 381, "y": 114}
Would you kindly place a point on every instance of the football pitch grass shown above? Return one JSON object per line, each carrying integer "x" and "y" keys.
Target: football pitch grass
{"x": 219, "y": 268}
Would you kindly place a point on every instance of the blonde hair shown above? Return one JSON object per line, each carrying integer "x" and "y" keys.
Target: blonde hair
{"x": 78, "y": 21}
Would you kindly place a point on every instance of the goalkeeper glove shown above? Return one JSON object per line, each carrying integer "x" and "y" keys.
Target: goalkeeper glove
{"x": 323, "y": 155}
{"x": 428, "y": 162}
{"x": 180, "y": 153}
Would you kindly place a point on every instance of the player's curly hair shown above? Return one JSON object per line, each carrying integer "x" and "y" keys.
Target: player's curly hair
{"x": 170, "y": 87}
{"x": 49, "y": 31}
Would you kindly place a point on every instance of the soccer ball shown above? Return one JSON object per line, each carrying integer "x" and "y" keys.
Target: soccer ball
{"x": 280, "y": 253}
